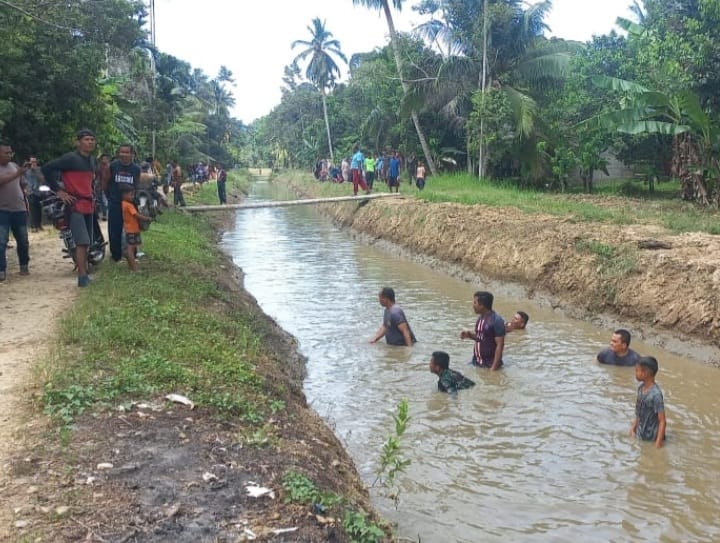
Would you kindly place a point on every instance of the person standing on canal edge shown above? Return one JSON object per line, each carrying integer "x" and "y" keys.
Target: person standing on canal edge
{"x": 650, "y": 421}
{"x": 448, "y": 380}
{"x": 420, "y": 171}
{"x": 33, "y": 181}
{"x": 619, "y": 353}
{"x": 221, "y": 184}
{"x": 177, "y": 181}
{"x": 394, "y": 173}
{"x": 76, "y": 171}
{"x": 123, "y": 174}
{"x": 13, "y": 212}
{"x": 395, "y": 327}
{"x": 489, "y": 333}
{"x": 356, "y": 169}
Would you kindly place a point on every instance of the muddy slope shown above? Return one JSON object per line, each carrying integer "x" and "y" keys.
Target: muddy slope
{"x": 641, "y": 275}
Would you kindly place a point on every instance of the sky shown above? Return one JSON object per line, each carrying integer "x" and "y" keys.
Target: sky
{"x": 254, "y": 42}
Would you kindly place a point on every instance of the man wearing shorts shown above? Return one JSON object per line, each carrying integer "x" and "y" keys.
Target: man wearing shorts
{"x": 71, "y": 177}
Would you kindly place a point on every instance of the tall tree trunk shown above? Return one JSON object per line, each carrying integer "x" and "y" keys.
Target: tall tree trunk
{"x": 327, "y": 125}
{"x": 398, "y": 63}
{"x": 482, "y": 158}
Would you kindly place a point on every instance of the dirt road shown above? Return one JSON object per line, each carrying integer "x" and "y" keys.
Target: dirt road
{"x": 28, "y": 307}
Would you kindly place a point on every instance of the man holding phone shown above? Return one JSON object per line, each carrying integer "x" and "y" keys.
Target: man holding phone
{"x": 13, "y": 211}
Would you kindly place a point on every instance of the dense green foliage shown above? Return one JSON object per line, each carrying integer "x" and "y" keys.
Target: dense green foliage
{"x": 488, "y": 86}
{"x": 478, "y": 87}
{"x": 73, "y": 64}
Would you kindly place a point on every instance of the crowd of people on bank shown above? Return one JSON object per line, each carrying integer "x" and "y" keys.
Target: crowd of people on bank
{"x": 488, "y": 336}
{"x": 363, "y": 171}
{"x": 90, "y": 186}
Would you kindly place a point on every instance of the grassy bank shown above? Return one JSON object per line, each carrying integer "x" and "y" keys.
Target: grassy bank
{"x": 182, "y": 324}
{"x": 624, "y": 202}
{"x": 159, "y": 331}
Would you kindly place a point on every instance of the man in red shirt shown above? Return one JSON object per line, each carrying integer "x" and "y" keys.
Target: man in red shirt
{"x": 71, "y": 177}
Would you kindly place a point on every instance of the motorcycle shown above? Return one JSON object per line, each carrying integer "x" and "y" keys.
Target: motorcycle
{"x": 56, "y": 212}
{"x": 149, "y": 201}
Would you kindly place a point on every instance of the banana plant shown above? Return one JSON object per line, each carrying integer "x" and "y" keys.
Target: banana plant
{"x": 680, "y": 116}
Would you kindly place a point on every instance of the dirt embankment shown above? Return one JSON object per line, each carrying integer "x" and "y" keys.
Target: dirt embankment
{"x": 638, "y": 275}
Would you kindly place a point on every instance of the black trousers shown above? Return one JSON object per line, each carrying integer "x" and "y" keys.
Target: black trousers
{"x": 115, "y": 229}
{"x": 35, "y": 208}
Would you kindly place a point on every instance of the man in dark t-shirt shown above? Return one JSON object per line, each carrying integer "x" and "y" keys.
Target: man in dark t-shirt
{"x": 619, "y": 353}
{"x": 489, "y": 333}
{"x": 395, "y": 328}
{"x": 71, "y": 177}
{"x": 122, "y": 173}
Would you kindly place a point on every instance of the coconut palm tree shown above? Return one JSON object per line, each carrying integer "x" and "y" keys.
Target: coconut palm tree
{"x": 322, "y": 68}
{"x": 385, "y": 7}
{"x": 498, "y": 46}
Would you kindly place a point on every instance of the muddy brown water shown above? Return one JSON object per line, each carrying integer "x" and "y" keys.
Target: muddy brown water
{"x": 536, "y": 452}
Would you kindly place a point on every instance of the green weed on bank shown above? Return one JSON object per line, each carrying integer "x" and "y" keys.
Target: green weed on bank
{"x": 164, "y": 329}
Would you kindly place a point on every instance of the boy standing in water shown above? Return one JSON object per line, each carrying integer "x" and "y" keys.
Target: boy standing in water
{"x": 650, "y": 422}
{"x": 449, "y": 380}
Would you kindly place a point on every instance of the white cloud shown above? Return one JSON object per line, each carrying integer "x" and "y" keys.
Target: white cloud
{"x": 253, "y": 39}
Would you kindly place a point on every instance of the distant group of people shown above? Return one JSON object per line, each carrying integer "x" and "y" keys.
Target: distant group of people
{"x": 363, "y": 171}
{"x": 488, "y": 336}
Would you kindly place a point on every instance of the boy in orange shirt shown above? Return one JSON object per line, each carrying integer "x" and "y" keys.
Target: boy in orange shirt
{"x": 131, "y": 225}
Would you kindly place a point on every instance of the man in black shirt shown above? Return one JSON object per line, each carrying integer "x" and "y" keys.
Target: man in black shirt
{"x": 122, "y": 173}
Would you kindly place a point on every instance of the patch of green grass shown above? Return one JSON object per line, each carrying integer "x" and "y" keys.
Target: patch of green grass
{"x": 602, "y": 250}
{"x": 361, "y": 529}
{"x": 300, "y": 489}
{"x": 163, "y": 329}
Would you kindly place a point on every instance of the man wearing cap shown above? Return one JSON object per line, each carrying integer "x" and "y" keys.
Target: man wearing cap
{"x": 71, "y": 177}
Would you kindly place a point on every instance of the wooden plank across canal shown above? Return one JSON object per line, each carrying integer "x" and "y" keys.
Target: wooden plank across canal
{"x": 287, "y": 203}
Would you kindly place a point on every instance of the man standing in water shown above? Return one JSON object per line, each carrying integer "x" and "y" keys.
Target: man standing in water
{"x": 395, "y": 328}
{"x": 518, "y": 322}
{"x": 489, "y": 333}
{"x": 619, "y": 353}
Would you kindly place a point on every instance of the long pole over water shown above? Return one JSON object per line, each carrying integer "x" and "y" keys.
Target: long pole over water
{"x": 287, "y": 203}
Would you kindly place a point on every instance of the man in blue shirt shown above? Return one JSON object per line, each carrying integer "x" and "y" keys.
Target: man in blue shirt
{"x": 619, "y": 353}
{"x": 394, "y": 173}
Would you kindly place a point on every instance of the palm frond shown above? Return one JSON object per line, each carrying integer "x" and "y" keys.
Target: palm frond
{"x": 634, "y": 30}
{"x": 524, "y": 110}
{"x": 619, "y": 85}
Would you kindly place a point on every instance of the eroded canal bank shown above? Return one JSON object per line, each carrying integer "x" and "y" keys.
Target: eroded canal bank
{"x": 536, "y": 452}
